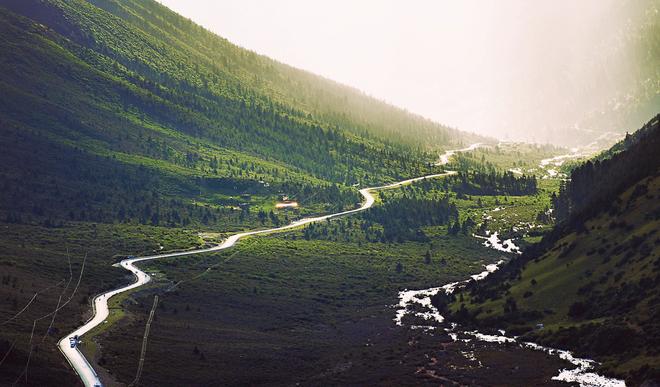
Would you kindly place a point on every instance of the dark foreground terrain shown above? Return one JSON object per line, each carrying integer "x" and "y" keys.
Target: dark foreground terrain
{"x": 282, "y": 312}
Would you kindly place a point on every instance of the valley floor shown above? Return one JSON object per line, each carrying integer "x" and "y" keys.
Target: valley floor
{"x": 283, "y": 311}
{"x": 278, "y": 310}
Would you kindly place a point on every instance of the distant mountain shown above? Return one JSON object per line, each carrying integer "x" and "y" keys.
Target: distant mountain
{"x": 594, "y": 281}
{"x": 634, "y": 48}
{"x": 613, "y": 87}
{"x": 103, "y": 103}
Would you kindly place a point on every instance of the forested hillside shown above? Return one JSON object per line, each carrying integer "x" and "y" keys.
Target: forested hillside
{"x": 108, "y": 103}
{"x": 593, "y": 281}
{"x": 616, "y": 169}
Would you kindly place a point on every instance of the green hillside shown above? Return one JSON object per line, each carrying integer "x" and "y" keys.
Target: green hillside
{"x": 594, "y": 280}
{"x": 104, "y": 103}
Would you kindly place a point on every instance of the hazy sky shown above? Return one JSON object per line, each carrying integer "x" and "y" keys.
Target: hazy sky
{"x": 495, "y": 67}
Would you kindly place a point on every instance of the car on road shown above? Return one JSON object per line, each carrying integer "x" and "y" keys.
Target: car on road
{"x": 74, "y": 341}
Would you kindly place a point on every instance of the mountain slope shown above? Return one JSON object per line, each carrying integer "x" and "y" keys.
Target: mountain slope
{"x": 137, "y": 90}
{"x": 594, "y": 280}
{"x": 153, "y": 49}
{"x": 309, "y": 93}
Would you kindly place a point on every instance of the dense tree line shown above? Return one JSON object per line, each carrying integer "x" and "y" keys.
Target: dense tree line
{"x": 594, "y": 185}
{"x": 399, "y": 218}
{"x": 402, "y": 217}
{"x": 493, "y": 183}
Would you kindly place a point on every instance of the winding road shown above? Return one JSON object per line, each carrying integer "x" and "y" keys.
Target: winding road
{"x": 83, "y": 367}
{"x": 444, "y": 158}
